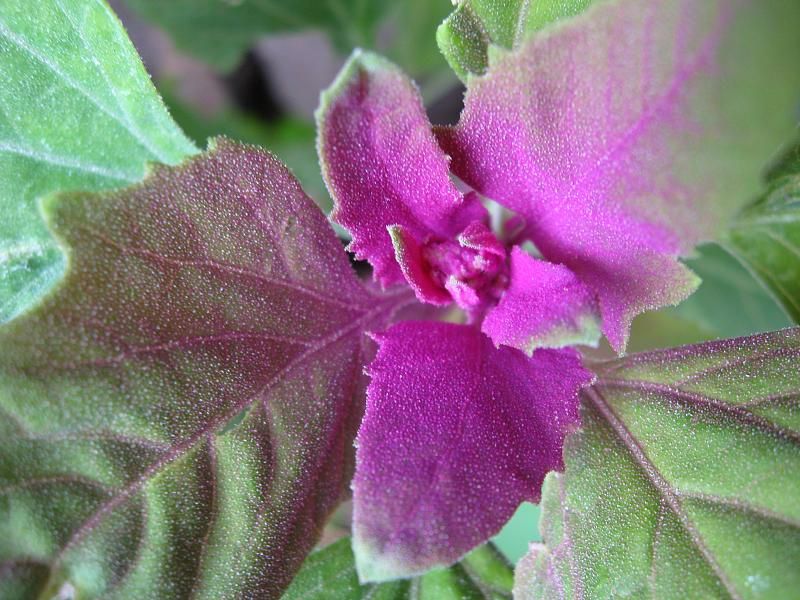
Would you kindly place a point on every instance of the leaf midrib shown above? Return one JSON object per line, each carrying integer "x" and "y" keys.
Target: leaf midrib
{"x": 179, "y": 450}
{"x": 660, "y": 484}
{"x": 741, "y": 414}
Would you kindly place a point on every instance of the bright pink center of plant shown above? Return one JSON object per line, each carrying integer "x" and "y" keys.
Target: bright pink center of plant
{"x": 473, "y": 268}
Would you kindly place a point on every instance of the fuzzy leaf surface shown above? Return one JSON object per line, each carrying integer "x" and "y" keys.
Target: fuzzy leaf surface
{"x": 382, "y": 164}
{"x": 78, "y": 112}
{"x": 434, "y": 474}
{"x": 178, "y": 413}
{"x": 684, "y": 481}
{"x": 631, "y": 132}
{"x": 291, "y": 140}
{"x": 483, "y": 574}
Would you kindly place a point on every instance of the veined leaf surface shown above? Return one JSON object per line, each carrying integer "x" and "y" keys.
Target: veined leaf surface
{"x": 178, "y": 414}
{"x": 684, "y": 481}
{"x": 78, "y": 112}
{"x": 331, "y": 573}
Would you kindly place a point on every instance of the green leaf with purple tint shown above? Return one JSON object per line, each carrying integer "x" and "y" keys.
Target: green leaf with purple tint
{"x": 629, "y": 133}
{"x": 467, "y": 34}
{"x": 178, "y": 414}
{"x": 684, "y": 481}
{"x": 483, "y": 574}
{"x": 77, "y": 111}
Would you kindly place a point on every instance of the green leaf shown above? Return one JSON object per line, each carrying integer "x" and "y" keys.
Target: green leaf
{"x": 178, "y": 414}
{"x": 466, "y": 36}
{"x": 78, "y": 112}
{"x": 218, "y": 32}
{"x": 684, "y": 481}
{"x": 412, "y": 39}
{"x": 766, "y": 238}
{"x": 331, "y": 573}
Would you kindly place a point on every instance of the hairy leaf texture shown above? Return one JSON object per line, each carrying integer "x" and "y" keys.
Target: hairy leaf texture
{"x": 178, "y": 414}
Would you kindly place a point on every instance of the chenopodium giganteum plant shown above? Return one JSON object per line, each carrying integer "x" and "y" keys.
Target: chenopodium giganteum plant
{"x": 179, "y": 408}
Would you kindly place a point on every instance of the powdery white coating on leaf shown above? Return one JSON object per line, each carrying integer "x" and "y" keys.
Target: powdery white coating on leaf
{"x": 683, "y": 482}
{"x": 178, "y": 415}
{"x": 545, "y": 306}
{"x": 623, "y": 140}
{"x": 457, "y": 433}
{"x": 382, "y": 164}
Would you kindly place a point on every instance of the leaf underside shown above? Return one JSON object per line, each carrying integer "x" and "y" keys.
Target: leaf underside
{"x": 683, "y": 482}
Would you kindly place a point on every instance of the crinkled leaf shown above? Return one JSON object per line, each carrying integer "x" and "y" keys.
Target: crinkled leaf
{"x": 219, "y": 32}
{"x": 78, "y": 112}
{"x": 434, "y": 474}
{"x": 466, "y": 36}
{"x": 331, "y": 573}
{"x": 629, "y": 133}
{"x": 178, "y": 414}
{"x": 766, "y": 237}
{"x": 382, "y": 164}
{"x": 684, "y": 481}
{"x": 545, "y": 306}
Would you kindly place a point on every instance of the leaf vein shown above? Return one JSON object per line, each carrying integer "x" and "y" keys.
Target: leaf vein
{"x": 661, "y": 486}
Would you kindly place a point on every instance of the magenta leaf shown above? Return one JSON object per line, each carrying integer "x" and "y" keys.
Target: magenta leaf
{"x": 545, "y": 306}
{"x": 456, "y": 434}
{"x": 409, "y": 253}
{"x": 383, "y": 166}
{"x": 630, "y": 132}
{"x": 178, "y": 414}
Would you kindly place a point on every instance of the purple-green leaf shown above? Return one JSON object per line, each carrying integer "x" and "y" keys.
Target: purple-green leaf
{"x": 684, "y": 481}
{"x": 627, "y": 134}
{"x": 178, "y": 415}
